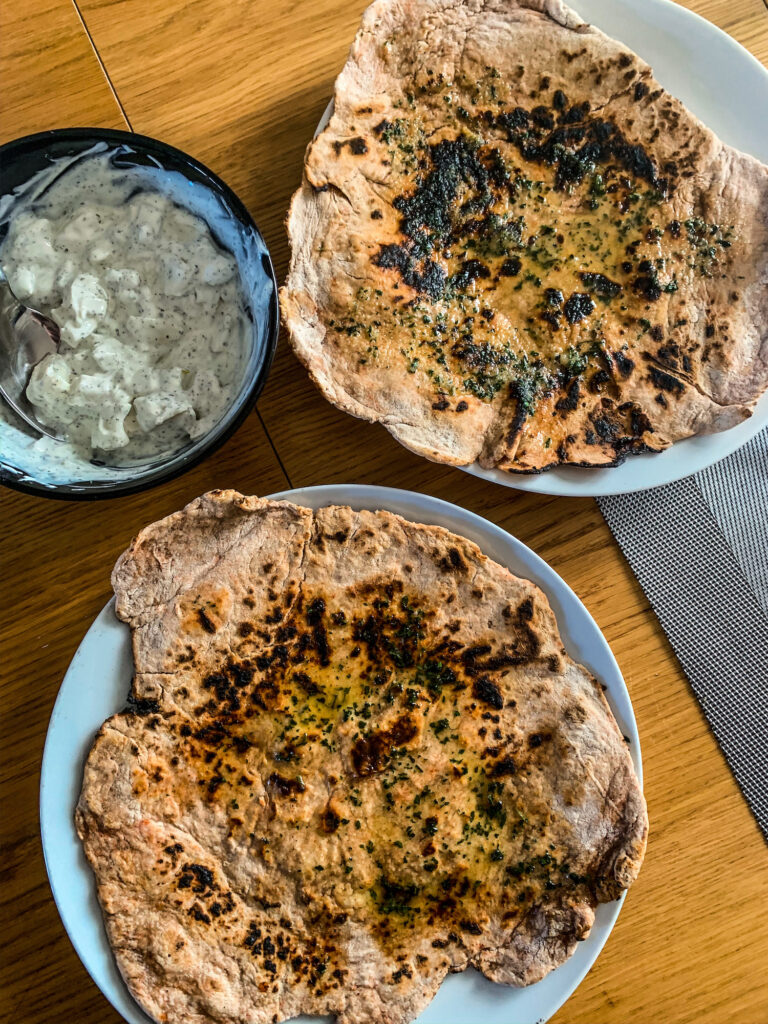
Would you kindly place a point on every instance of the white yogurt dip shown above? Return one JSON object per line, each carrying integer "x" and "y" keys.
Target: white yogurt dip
{"x": 154, "y": 329}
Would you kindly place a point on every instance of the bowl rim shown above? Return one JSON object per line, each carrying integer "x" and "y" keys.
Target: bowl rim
{"x": 153, "y": 146}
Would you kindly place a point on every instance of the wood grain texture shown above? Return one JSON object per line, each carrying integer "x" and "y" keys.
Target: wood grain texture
{"x": 241, "y": 84}
{"x": 50, "y": 73}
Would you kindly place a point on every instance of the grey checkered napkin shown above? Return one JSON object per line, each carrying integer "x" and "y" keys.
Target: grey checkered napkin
{"x": 699, "y": 548}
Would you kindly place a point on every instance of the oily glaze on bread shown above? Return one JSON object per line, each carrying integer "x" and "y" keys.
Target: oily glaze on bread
{"x": 356, "y": 757}
{"x": 512, "y": 245}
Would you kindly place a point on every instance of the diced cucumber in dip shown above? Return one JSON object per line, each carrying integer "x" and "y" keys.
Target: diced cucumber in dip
{"x": 151, "y": 309}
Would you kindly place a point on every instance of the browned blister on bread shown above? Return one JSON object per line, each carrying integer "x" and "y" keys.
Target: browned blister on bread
{"x": 356, "y": 757}
{"x": 512, "y": 246}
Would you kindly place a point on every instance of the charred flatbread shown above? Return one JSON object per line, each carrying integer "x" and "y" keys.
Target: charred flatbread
{"x": 355, "y": 758}
{"x": 512, "y": 245}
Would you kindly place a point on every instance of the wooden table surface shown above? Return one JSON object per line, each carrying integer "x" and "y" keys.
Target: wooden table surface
{"x": 241, "y": 85}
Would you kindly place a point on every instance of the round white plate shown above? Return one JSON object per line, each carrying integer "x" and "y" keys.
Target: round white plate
{"x": 96, "y": 686}
{"x": 727, "y": 88}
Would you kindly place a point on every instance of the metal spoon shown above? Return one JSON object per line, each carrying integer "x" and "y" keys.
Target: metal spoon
{"x": 26, "y": 337}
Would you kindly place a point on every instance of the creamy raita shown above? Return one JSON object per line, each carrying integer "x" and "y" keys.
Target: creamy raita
{"x": 153, "y": 320}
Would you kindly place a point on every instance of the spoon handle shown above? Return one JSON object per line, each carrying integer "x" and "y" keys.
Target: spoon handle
{"x": 10, "y": 307}
{"x": 10, "y": 311}
{"x": 24, "y": 341}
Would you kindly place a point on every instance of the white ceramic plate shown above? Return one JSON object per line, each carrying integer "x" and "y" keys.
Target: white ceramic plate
{"x": 727, "y": 88}
{"x": 96, "y": 686}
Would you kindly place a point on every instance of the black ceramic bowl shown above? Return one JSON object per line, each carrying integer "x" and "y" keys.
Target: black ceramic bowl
{"x": 199, "y": 190}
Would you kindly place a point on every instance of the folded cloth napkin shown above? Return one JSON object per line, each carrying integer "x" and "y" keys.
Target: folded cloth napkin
{"x": 699, "y": 548}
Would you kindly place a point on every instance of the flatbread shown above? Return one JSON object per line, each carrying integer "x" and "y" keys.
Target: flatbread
{"x": 512, "y": 246}
{"x": 355, "y": 758}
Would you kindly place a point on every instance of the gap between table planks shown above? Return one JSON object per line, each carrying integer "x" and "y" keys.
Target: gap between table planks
{"x": 241, "y": 85}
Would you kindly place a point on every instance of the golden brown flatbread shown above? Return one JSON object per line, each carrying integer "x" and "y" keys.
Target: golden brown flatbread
{"x": 355, "y": 758}
{"x": 512, "y": 245}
